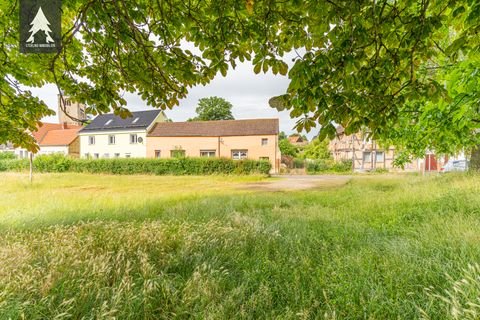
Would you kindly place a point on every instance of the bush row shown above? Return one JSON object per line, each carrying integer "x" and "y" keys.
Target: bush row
{"x": 7, "y": 155}
{"x": 327, "y": 165}
{"x": 174, "y": 166}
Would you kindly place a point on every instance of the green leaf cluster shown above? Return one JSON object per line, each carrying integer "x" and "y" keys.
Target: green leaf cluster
{"x": 316, "y": 149}
{"x": 287, "y": 149}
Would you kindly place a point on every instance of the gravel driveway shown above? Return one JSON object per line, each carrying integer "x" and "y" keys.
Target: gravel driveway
{"x": 300, "y": 182}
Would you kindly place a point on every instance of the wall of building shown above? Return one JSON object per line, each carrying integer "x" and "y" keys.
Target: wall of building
{"x": 222, "y": 146}
{"x": 74, "y": 148}
{"x": 122, "y": 145}
{"x": 74, "y": 109}
{"x": 366, "y": 154}
{"x": 52, "y": 150}
{"x": 20, "y": 153}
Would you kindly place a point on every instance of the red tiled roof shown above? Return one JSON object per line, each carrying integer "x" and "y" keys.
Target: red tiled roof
{"x": 55, "y": 134}
{"x": 42, "y": 130}
{"x": 219, "y": 128}
{"x": 295, "y": 139}
{"x": 62, "y": 137}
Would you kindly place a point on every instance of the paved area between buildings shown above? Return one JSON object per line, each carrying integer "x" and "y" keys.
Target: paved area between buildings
{"x": 300, "y": 182}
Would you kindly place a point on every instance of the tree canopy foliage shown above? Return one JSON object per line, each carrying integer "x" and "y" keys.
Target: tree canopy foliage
{"x": 287, "y": 148}
{"x": 213, "y": 108}
{"x": 445, "y": 125}
{"x": 380, "y": 64}
{"x": 317, "y": 149}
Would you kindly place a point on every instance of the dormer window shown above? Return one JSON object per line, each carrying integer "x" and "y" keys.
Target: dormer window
{"x": 135, "y": 120}
{"x": 108, "y": 122}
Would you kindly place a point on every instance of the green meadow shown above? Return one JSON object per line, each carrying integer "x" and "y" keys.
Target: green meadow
{"x": 81, "y": 246}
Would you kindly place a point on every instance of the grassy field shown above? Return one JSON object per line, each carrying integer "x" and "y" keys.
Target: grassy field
{"x": 142, "y": 247}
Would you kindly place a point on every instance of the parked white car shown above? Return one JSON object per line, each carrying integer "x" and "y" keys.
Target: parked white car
{"x": 455, "y": 165}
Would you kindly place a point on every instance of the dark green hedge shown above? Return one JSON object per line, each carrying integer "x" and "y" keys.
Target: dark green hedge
{"x": 173, "y": 166}
{"x": 14, "y": 165}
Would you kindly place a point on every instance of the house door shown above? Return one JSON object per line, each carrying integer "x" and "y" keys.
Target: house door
{"x": 430, "y": 163}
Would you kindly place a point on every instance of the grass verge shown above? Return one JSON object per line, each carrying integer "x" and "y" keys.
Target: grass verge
{"x": 380, "y": 247}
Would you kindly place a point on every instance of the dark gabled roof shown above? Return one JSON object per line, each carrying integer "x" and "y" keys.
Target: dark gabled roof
{"x": 111, "y": 122}
{"x": 220, "y": 128}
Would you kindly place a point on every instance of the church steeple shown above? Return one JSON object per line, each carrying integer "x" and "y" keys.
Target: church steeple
{"x": 74, "y": 109}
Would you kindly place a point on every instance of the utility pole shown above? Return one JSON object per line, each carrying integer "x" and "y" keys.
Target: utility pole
{"x": 353, "y": 153}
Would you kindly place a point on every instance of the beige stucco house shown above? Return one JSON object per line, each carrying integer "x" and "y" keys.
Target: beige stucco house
{"x": 235, "y": 139}
{"x": 110, "y": 136}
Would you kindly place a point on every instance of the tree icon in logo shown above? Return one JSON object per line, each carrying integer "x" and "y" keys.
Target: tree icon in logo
{"x": 40, "y": 23}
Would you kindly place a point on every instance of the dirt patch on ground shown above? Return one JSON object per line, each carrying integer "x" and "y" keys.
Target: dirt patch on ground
{"x": 289, "y": 182}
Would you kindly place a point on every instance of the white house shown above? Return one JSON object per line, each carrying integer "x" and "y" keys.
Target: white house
{"x": 110, "y": 136}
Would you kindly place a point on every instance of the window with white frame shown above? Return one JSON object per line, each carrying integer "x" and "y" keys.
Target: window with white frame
{"x": 117, "y": 155}
{"x": 106, "y": 155}
{"x": 96, "y": 156}
{"x": 239, "y": 154}
{"x": 264, "y": 141}
{"x": 380, "y": 156}
{"x": 128, "y": 155}
{"x": 87, "y": 155}
{"x": 91, "y": 140}
{"x": 157, "y": 153}
{"x": 133, "y": 138}
{"x": 111, "y": 139}
{"x": 207, "y": 153}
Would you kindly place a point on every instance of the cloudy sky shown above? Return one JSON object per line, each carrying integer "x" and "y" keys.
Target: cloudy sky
{"x": 248, "y": 92}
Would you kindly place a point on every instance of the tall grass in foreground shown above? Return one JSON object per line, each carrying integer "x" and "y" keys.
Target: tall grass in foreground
{"x": 382, "y": 247}
{"x": 462, "y": 299}
{"x": 127, "y": 270}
